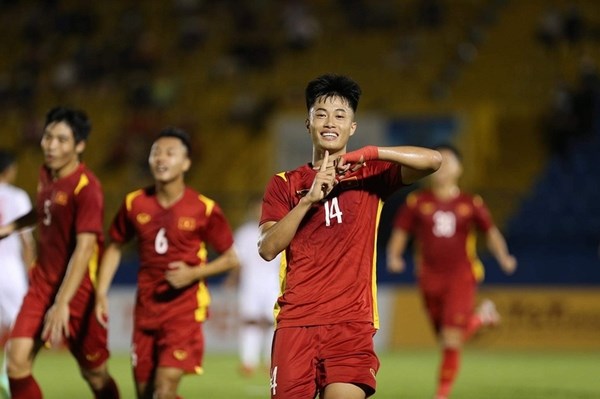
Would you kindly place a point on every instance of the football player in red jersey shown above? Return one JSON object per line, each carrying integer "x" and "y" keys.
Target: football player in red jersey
{"x": 173, "y": 225}
{"x": 444, "y": 221}
{"x": 323, "y": 216}
{"x": 59, "y": 305}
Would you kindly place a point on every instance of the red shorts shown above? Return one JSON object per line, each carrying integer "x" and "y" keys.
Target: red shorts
{"x": 307, "y": 359}
{"x": 88, "y": 341}
{"x": 178, "y": 343}
{"x": 449, "y": 301}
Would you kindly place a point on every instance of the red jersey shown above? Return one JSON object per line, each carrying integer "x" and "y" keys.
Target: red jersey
{"x": 66, "y": 207}
{"x": 445, "y": 231}
{"x": 164, "y": 235}
{"x": 328, "y": 270}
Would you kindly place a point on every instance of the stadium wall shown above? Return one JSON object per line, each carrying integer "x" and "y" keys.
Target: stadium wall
{"x": 532, "y": 317}
{"x": 536, "y": 317}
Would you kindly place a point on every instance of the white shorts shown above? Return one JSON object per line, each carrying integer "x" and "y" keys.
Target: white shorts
{"x": 257, "y": 305}
{"x": 13, "y": 287}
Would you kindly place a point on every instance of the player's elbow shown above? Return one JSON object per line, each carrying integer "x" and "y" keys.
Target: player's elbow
{"x": 266, "y": 252}
{"x": 233, "y": 261}
{"x": 266, "y": 255}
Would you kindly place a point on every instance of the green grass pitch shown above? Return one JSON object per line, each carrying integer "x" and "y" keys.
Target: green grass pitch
{"x": 410, "y": 374}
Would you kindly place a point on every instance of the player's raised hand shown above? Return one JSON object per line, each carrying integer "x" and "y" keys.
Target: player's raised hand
{"x": 354, "y": 160}
{"x": 324, "y": 181}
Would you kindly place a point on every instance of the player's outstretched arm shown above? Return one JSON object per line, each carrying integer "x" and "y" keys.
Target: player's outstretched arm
{"x": 395, "y": 251}
{"x": 27, "y": 220}
{"x": 418, "y": 162}
{"x": 108, "y": 267}
{"x": 497, "y": 246}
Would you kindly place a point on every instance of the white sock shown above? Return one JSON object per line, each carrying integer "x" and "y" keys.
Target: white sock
{"x": 250, "y": 345}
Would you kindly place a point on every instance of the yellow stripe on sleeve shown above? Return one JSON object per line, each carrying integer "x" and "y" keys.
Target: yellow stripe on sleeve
{"x": 83, "y": 181}
{"x": 210, "y": 204}
{"x": 130, "y": 197}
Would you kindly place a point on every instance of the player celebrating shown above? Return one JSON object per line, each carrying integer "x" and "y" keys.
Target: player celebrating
{"x": 173, "y": 225}
{"x": 324, "y": 216}
{"x": 59, "y": 303}
{"x": 17, "y": 253}
{"x": 443, "y": 219}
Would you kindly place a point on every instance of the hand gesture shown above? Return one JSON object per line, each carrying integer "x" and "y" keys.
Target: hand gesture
{"x": 354, "y": 160}
{"x": 323, "y": 183}
{"x": 56, "y": 324}
{"x": 180, "y": 274}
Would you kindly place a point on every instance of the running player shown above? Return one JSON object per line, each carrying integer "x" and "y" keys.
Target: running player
{"x": 173, "y": 225}
{"x": 444, "y": 221}
{"x": 323, "y": 216}
{"x": 17, "y": 253}
{"x": 59, "y": 305}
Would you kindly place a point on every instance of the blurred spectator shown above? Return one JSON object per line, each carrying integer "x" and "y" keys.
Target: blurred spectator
{"x": 549, "y": 29}
{"x": 430, "y": 13}
{"x": 193, "y": 32}
{"x": 573, "y": 25}
{"x": 301, "y": 27}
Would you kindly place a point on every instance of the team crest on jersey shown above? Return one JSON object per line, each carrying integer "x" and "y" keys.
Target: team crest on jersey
{"x": 186, "y": 223}
{"x": 61, "y": 198}
{"x": 179, "y": 354}
{"x": 427, "y": 208}
{"x": 143, "y": 218}
{"x": 463, "y": 210}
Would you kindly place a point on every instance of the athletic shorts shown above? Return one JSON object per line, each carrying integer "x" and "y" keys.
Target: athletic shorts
{"x": 13, "y": 286}
{"x": 307, "y": 359}
{"x": 88, "y": 341}
{"x": 449, "y": 301}
{"x": 177, "y": 343}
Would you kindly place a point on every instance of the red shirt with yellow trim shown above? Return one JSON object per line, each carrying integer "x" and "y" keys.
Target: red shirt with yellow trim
{"x": 328, "y": 270}
{"x": 164, "y": 235}
{"x": 66, "y": 207}
{"x": 445, "y": 232}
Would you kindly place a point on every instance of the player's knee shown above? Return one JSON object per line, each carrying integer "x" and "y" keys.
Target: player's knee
{"x": 96, "y": 378}
{"x": 165, "y": 391}
{"x": 165, "y": 385}
{"x": 18, "y": 364}
{"x": 452, "y": 338}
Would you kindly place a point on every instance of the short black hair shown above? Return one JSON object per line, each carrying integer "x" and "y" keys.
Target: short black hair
{"x": 178, "y": 134}
{"x": 449, "y": 147}
{"x": 7, "y": 158}
{"x": 77, "y": 120}
{"x": 330, "y": 85}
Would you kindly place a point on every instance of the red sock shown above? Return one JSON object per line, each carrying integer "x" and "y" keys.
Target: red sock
{"x": 24, "y": 388}
{"x": 448, "y": 371}
{"x": 473, "y": 326}
{"x": 110, "y": 391}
